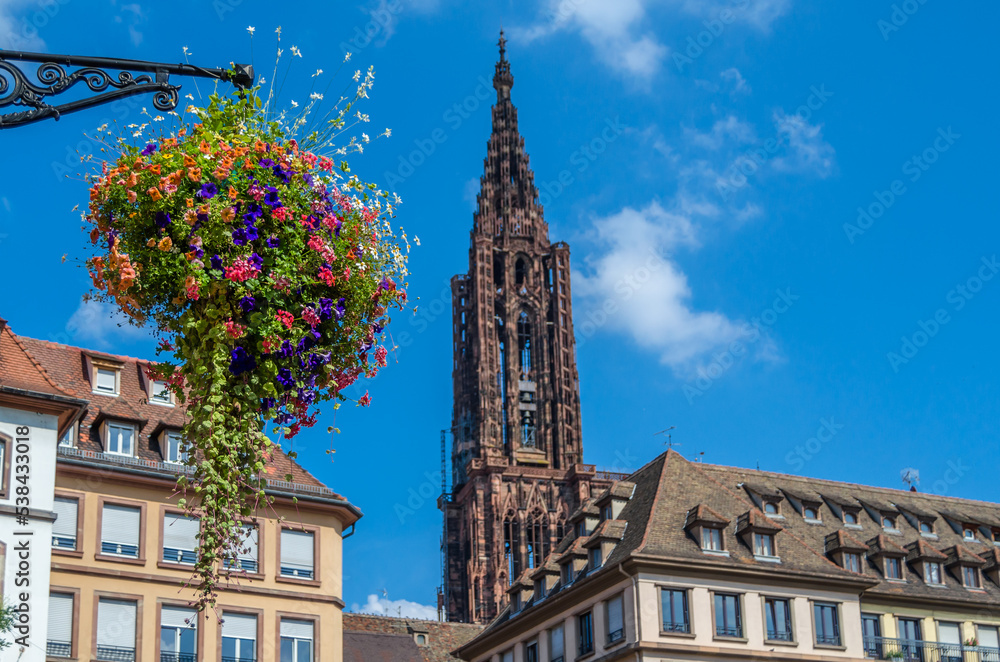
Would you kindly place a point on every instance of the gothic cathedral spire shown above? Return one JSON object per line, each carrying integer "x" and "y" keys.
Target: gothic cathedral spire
{"x": 516, "y": 447}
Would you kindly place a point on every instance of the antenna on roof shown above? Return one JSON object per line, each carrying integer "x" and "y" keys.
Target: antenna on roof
{"x": 910, "y": 477}
{"x": 669, "y": 443}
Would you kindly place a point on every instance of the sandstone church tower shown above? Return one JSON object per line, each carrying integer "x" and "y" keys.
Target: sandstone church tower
{"x": 517, "y": 448}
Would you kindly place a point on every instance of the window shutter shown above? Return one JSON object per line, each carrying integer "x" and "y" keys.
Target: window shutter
{"x": 297, "y": 549}
{"x": 61, "y": 618}
{"x": 296, "y": 629}
{"x": 180, "y": 532}
{"x": 66, "y": 511}
{"x": 557, "y": 641}
{"x": 949, "y": 634}
{"x": 120, "y": 525}
{"x": 116, "y": 623}
{"x": 988, "y": 636}
{"x": 174, "y": 617}
{"x": 508, "y": 656}
{"x": 239, "y": 626}
{"x": 105, "y": 380}
{"x": 615, "y": 618}
{"x": 248, "y": 545}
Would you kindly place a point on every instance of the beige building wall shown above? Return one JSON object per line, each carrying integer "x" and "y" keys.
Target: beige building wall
{"x": 153, "y": 583}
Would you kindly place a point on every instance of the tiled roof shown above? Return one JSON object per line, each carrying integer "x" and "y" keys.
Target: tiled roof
{"x": 702, "y": 514}
{"x": 881, "y": 545}
{"x": 65, "y": 372}
{"x": 20, "y": 371}
{"x": 442, "y": 638}
{"x": 843, "y": 541}
{"x": 921, "y": 549}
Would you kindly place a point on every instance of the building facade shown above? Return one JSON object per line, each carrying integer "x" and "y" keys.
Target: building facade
{"x": 517, "y": 448}
{"x": 686, "y": 561}
{"x": 119, "y": 551}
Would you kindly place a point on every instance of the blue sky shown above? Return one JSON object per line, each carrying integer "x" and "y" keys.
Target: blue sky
{"x": 782, "y": 215}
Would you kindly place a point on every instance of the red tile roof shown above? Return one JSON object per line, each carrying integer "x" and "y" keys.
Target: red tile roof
{"x": 360, "y": 643}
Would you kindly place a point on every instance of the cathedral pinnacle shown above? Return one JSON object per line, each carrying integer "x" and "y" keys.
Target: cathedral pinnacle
{"x": 502, "y": 79}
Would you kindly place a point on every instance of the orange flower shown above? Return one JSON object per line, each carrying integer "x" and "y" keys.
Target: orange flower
{"x": 190, "y": 202}
{"x": 169, "y": 142}
{"x": 190, "y": 217}
{"x": 132, "y": 181}
{"x": 151, "y": 242}
{"x": 155, "y": 169}
{"x": 228, "y": 214}
{"x": 182, "y": 133}
{"x": 203, "y": 209}
{"x": 189, "y": 162}
{"x": 176, "y": 177}
{"x": 194, "y": 174}
{"x": 132, "y": 197}
{"x": 154, "y": 194}
{"x": 233, "y": 193}
{"x": 260, "y": 146}
{"x": 205, "y": 147}
{"x": 165, "y": 244}
{"x": 95, "y": 234}
{"x": 220, "y": 173}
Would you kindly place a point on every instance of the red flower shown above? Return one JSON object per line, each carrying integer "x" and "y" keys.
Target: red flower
{"x": 234, "y": 329}
{"x": 364, "y": 400}
{"x": 285, "y": 318}
{"x": 327, "y": 276}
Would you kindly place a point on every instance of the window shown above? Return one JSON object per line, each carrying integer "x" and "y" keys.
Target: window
{"x": 888, "y": 523}
{"x": 120, "y": 527}
{"x": 531, "y": 652}
{"x": 557, "y": 644}
{"x": 64, "y": 529}
{"x": 174, "y": 450}
{"x": 246, "y": 555}
{"x": 106, "y": 381}
{"x": 893, "y": 568}
{"x": 871, "y": 629}
{"x": 297, "y": 554}
{"x": 771, "y": 508}
{"x": 950, "y": 642}
{"x": 969, "y": 533}
{"x": 421, "y": 639}
{"x": 120, "y": 439}
{"x": 239, "y": 637}
{"x": 728, "y": 620}
{"x": 616, "y": 620}
{"x": 115, "y": 629}
{"x": 507, "y": 656}
{"x": 809, "y": 512}
{"x": 778, "y": 614}
{"x": 69, "y": 437}
{"x": 595, "y": 558}
{"x": 674, "y": 610}
{"x": 926, "y": 527}
{"x": 850, "y": 517}
{"x": 711, "y": 539}
{"x": 909, "y": 632}
{"x": 585, "y": 632}
{"x": 159, "y": 393}
{"x": 608, "y": 512}
{"x": 296, "y": 640}
{"x": 932, "y": 572}
{"x": 852, "y": 562}
{"x": 763, "y": 544}
{"x": 988, "y": 636}
{"x": 178, "y": 634}
{"x": 827, "y": 624}
{"x": 180, "y": 539}
{"x": 970, "y": 577}
{"x": 60, "y": 642}
{"x": 539, "y": 591}
{"x": 567, "y": 573}
{"x": 4, "y": 466}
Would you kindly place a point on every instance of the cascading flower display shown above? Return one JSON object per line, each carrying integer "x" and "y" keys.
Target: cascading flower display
{"x": 269, "y": 271}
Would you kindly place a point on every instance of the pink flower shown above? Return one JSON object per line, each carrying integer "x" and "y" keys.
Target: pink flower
{"x": 242, "y": 270}
{"x": 380, "y": 355}
{"x": 280, "y": 213}
{"x": 234, "y": 329}
{"x": 132, "y": 197}
{"x": 327, "y": 277}
{"x": 347, "y": 273}
{"x": 310, "y": 316}
{"x": 282, "y": 283}
{"x": 285, "y": 318}
{"x": 364, "y": 400}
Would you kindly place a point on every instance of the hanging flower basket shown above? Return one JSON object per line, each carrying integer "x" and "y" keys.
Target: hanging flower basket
{"x": 269, "y": 273}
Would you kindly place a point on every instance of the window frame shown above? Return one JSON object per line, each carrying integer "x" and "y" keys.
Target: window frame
{"x": 533, "y": 644}
{"x": 295, "y": 616}
{"x": 297, "y": 528}
{"x": 758, "y": 547}
{"x": 562, "y": 632}
{"x": 739, "y": 616}
{"x": 243, "y": 611}
{"x": 837, "y": 625}
{"x": 714, "y": 534}
{"x": 978, "y": 585}
{"x": 686, "y": 592}
{"x": 79, "y": 497}
{"x": 153, "y": 392}
{"x": 6, "y": 446}
{"x": 854, "y": 514}
{"x": 74, "y": 644}
{"x": 114, "y": 501}
{"x": 260, "y": 553}
{"x": 125, "y": 597}
{"x": 161, "y": 562}
{"x": 771, "y": 504}
{"x": 940, "y": 573}
{"x": 199, "y": 631}
{"x": 790, "y": 606}
{"x": 106, "y": 436}
{"x": 608, "y": 642}
{"x": 165, "y": 446}
{"x": 97, "y": 369}
{"x": 966, "y": 531}
{"x": 589, "y": 615}
{"x": 898, "y": 562}
{"x": 853, "y": 555}
{"x": 816, "y": 517}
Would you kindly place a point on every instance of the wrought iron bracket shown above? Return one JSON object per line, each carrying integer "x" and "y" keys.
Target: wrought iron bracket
{"x": 16, "y": 90}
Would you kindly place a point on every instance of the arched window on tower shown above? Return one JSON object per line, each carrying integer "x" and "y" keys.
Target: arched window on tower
{"x": 524, "y": 345}
{"x": 537, "y": 539}
{"x": 502, "y": 377}
{"x": 520, "y": 271}
{"x": 511, "y": 545}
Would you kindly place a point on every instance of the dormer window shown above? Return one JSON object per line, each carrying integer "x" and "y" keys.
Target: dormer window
{"x": 581, "y": 528}
{"x": 711, "y": 539}
{"x": 607, "y": 513}
{"x": 810, "y": 513}
{"x": 927, "y": 527}
{"x": 893, "y": 568}
{"x": 969, "y": 534}
{"x": 160, "y": 393}
{"x": 770, "y": 508}
{"x": 173, "y": 447}
{"x": 539, "y": 589}
{"x": 763, "y": 545}
{"x": 421, "y": 639}
{"x": 852, "y": 562}
{"x": 567, "y": 574}
{"x": 595, "y": 558}
{"x": 119, "y": 439}
{"x": 932, "y": 573}
{"x": 970, "y": 577}
{"x": 888, "y": 523}
{"x": 850, "y": 517}
{"x": 106, "y": 381}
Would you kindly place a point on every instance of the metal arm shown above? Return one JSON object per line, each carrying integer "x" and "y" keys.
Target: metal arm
{"x": 17, "y": 90}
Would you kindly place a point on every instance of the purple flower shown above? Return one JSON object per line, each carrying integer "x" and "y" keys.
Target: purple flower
{"x": 273, "y": 242}
{"x": 241, "y": 361}
{"x": 340, "y": 310}
{"x": 208, "y": 191}
{"x": 266, "y": 163}
{"x": 325, "y": 309}
{"x": 150, "y": 148}
{"x": 112, "y": 235}
{"x": 252, "y": 233}
{"x": 267, "y": 403}
{"x": 271, "y": 198}
{"x": 247, "y": 304}
{"x": 307, "y": 396}
{"x": 216, "y": 262}
{"x": 286, "y": 351}
{"x": 285, "y": 379}
{"x": 311, "y": 222}
{"x": 282, "y": 174}
{"x": 162, "y": 219}
{"x": 240, "y": 236}
{"x": 256, "y": 260}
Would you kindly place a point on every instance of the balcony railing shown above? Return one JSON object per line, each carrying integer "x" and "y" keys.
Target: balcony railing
{"x": 914, "y": 650}
{"x": 178, "y": 657}
{"x": 115, "y": 653}
{"x": 59, "y": 649}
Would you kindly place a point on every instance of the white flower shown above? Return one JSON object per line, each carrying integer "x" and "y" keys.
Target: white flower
{"x": 277, "y": 31}
{"x": 318, "y": 72}
{"x": 357, "y": 75}
{"x": 316, "y": 96}
{"x": 347, "y": 56}
{"x": 250, "y": 29}
{"x": 416, "y": 240}
{"x": 295, "y": 104}
{"x": 388, "y": 132}
{"x": 280, "y": 52}
{"x": 364, "y": 137}
{"x": 296, "y": 51}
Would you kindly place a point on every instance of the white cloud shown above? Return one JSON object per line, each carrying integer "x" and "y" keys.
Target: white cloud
{"x": 807, "y": 151}
{"x": 17, "y": 31}
{"x": 634, "y": 285}
{"x": 470, "y": 191}
{"x": 730, "y": 130}
{"x": 733, "y": 76}
{"x": 382, "y": 606}
{"x": 102, "y": 324}
{"x": 616, "y": 31}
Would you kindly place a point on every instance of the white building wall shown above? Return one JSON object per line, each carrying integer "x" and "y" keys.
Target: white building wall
{"x": 41, "y": 462}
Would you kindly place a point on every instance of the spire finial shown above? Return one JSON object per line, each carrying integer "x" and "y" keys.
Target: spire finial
{"x": 503, "y": 46}
{"x": 502, "y": 80}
